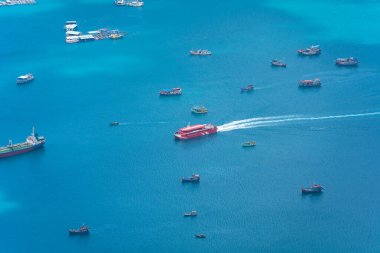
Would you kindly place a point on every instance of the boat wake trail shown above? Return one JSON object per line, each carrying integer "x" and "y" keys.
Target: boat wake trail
{"x": 277, "y": 120}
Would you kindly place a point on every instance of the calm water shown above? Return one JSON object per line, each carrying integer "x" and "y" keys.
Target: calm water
{"x": 124, "y": 181}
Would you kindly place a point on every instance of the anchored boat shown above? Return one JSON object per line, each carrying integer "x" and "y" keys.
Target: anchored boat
{"x": 312, "y": 50}
{"x": 170, "y": 92}
{"x": 350, "y": 61}
{"x": 190, "y": 214}
{"x": 32, "y": 142}
{"x": 25, "y": 79}
{"x": 315, "y": 188}
{"x": 195, "y": 131}
{"x": 199, "y": 109}
{"x": 200, "y": 52}
{"x": 195, "y": 178}
{"x": 277, "y": 63}
{"x": 82, "y": 230}
{"x": 249, "y": 144}
{"x": 310, "y": 83}
{"x": 136, "y": 3}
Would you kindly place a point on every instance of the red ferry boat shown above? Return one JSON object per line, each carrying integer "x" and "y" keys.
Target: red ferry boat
{"x": 195, "y": 131}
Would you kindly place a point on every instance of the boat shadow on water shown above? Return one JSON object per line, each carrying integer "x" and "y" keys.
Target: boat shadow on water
{"x": 314, "y": 197}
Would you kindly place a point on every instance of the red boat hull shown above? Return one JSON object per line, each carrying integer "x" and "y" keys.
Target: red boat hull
{"x": 182, "y": 135}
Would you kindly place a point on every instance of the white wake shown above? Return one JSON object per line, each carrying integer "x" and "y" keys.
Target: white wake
{"x": 276, "y": 120}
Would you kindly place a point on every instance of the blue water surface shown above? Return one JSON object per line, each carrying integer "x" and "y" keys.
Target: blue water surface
{"x": 124, "y": 182}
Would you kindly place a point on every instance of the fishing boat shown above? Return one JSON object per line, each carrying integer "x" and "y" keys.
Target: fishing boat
{"x": 32, "y": 142}
{"x": 200, "y": 52}
{"x": 25, "y": 79}
{"x": 195, "y": 131}
{"x": 312, "y": 50}
{"x": 170, "y": 92}
{"x": 350, "y": 61}
{"x": 195, "y": 178}
{"x": 136, "y": 3}
{"x": 278, "y": 63}
{"x": 190, "y": 214}
{"x": 200, "y": 236}
{"x": 310, "y": 83}
{"x": 249, "y": 144}
{"x": 115, "y": 123}
{"x": 199, "y": 109}
{"x": 315, "y": 188}
{"x": 82, "y": 230}
{"x": 248, "y": 88}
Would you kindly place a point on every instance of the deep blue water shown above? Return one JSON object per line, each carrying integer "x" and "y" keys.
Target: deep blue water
{"x": 124, "y": 182}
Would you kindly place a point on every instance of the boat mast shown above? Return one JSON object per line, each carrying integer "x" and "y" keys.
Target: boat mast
{"x": 33, "y": 130}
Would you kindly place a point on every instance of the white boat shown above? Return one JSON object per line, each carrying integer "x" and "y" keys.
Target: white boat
{"x": 136, "y": 3}
{"x": 24, "y": 79}
{"x": 71, "y": 25}
{"x": 72, "y": 39}
{"x": 120, "y": 2}
{"x": 200, "y": 52}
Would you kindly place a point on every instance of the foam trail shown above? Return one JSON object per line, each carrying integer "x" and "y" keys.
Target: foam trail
{"x": 273, "y": 121}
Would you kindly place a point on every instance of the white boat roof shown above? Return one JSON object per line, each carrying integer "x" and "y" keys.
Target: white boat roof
{"x": 94, "y": 32}
{"x": 73, "y": 33}
{"x": 89, "y": 36}
{"x": 71, "y": 26}
{"x": 70, "y": 22}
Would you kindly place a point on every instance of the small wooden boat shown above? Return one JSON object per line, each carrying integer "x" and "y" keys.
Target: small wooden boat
{"x": 83, "y": 230}
{"x": 195, "y": 178}
{"x": 249, "y": 144}
{"x": 315, "y": 188}
{"x": 202, "y": 236}
{"x": 190, "y": 214}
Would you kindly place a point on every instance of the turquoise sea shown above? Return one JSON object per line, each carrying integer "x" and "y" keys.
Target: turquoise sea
{"x": 124, "y": 182}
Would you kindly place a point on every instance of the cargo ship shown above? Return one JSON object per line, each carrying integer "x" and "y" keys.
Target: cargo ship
{"x": 195, "y": 131}
{"x": 32, "y": 142}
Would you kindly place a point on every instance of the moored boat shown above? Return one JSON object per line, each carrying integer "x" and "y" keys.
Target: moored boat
{"x": 195, "y": 178}
{"x": 310, "y": 83}
{"x": 315, "y": 188}
{"x": 71, "y": 25}
{"x": 190, "y": 214}
{"x": 169, "y": 92}
{"x": 248, "y": 88}
{"x": 200, "y": 52}
{"x": 136, "y": 3}
{"x": 249, "y": 144}
{"x": 278, "y": 63}
{"x": 116, "y": 36}
{"x": 72, "y": 39}
{"x": 120, "y": 2}
{"x": 201, "y": 236}
{"x": 195, "y": 131}
{"x": 82, "y": 230}
{"x": 32, "y": 142}
{"x": 350, "y": 61}
{"x": 25, "y": 79}
{"x": 199, "y": 109}
{"x": 312, "y": 50}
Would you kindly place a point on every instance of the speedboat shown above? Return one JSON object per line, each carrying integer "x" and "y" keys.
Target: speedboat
{"x": 249, "y": 144}
{"x": 82, "y": 230}
{"x": 202, "y": 236}
{"x": 277, "y": 63}
{"x": 315, "y": 188}
{"x": 195, "y": 178}
{"x": 200, "y": 52}
{"x": 190, "y": 214}
{"x": 350, "y": 61}
{"x": 115, "y": 123}
{"x": 248, "y": 88}
{"x": 25, "y": 79}
{"x": 199, "y": 109}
